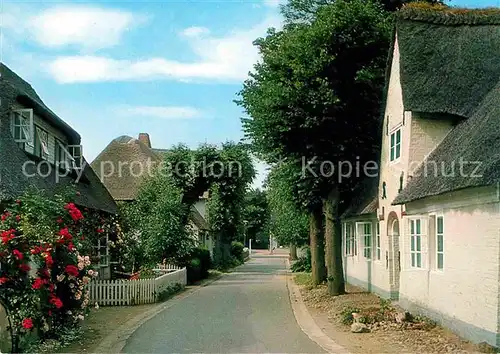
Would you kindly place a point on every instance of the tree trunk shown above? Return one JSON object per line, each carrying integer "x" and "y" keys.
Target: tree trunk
{"x": 333, "y": 240}
{"x": 317, "y": 247}
{"x": 293, "y": 252}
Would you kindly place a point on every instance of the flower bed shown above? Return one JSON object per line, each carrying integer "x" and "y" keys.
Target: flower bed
{"x": 44, "y": 272}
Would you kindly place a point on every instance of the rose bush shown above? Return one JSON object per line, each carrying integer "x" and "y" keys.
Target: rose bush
{"x": 45, "y": 264}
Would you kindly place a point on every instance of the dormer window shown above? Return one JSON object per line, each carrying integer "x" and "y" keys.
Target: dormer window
{"x": 41, "y": 143}
{"x": 396, "y": 144}
{"x": 22, "y": 126}
{"x": 69, "y": 156}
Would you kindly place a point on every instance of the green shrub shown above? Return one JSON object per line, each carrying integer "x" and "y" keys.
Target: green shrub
{"x": 237, "y": 251}
{"x": 197, "y": 262}
{"x": 303, "y": 264}
{"x": 169, "y": 292}
{"x": 346, "y": 314}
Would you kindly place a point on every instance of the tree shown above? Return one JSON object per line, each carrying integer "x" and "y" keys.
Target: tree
{"x": 315, "y": 98}
{"x": 255, "y": 215}
{"x": 160, "y": 216}
{"x": 287, "y": 223}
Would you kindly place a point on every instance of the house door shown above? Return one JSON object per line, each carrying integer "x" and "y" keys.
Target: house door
{"x": 396, "y": 257}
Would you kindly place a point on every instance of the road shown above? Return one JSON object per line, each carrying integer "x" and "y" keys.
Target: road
{"x": 247, "y": 311}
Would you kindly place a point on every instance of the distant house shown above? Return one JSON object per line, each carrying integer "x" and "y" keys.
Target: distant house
{"x": 38, "y": 149}
{"x": 429, "y": 235}
{"x": 123, "y": 166}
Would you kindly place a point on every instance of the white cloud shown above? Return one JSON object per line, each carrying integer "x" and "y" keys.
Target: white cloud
{"x": 227, "y": 58}
{"x": 86, "y": 26}
{"x": 164, "y": 112}
{"x": 195, "y": 31}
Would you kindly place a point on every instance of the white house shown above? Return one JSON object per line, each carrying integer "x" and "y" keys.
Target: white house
{"x": 433, "y": 241}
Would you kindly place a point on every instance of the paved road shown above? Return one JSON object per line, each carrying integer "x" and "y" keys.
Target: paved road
{"x": 247, "y": 311}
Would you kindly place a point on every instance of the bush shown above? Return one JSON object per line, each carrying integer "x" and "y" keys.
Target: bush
{"x": 197, "y": 262}
{"x": 237, "y": 251}
{"x": 303, "y": 264}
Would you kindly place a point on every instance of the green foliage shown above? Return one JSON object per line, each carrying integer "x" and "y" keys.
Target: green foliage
{"x": 169, "y": 292}
{"x": 303, "y": 264}
{"x": 288, "y": 224}
{"x": 237, "y": 251}
{"x": 158, "y": 217}
{"x": 197, "y": 262}
{"x": 346, "y": 314}
{"x": 255, "y": 216}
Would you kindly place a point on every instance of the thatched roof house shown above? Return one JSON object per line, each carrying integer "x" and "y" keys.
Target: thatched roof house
{"x": 19, "y": 160}
{"x": 124, "y": 165}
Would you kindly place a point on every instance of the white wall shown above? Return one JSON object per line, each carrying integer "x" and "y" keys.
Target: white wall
{"x": 467, "y": 289}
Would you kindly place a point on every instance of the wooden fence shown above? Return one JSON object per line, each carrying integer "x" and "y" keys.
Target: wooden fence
{"x": 122, "y": 292}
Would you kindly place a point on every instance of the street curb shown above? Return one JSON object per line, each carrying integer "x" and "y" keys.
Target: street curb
{"x": 306, "y": 321}
{"x": 116, "y": 341}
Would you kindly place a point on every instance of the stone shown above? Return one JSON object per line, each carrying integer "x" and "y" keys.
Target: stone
{"x": 357, "y": 327}
{"x": 400, "y": 317}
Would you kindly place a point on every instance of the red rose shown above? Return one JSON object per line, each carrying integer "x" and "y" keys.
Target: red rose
{"x": 3, "y": 280}
{"x": 18, "y": 254}
{"x": 71, "y": 247}
{"x": 38, "y": 283}
{"x": 5, "y": 215}
{"x": 18, "y": 218}
{"x": 27, "y": 323}
{"x": 7, "y": 236}
{"x": 71, "y": 270}
{"x": 24, "y": 267}
{"x": 51, "y": 287}
{"x": 56, "y": 302}
{"x": 48, "y": 260}
{"x": 100, "y": 231}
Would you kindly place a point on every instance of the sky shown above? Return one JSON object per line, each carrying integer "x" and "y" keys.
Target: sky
{"x": 170, "y": 68}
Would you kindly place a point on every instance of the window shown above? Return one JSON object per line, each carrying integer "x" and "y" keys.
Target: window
{"x": 103, "y": 250}
{"x": 22, "y": 126}
{"x": 378, "y": 241}
{"x": 365, "y": 233}
{"x": 350, "y": 241}
{"x": 41, "y": 143}
{"x": 439, "y": 243}
{"x": 76, "y": 156}
{"x": 416, "y": 243}
{"x": 396, "y": 145}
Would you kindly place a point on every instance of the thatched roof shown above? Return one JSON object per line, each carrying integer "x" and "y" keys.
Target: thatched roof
{"x": 13, "y": 181}
{"x": 26, "y": 95}
{"x": 450, "y": 64}
{"x": 119, "y": 166}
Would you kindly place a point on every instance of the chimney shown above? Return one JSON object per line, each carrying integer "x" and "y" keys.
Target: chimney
{"x": 144, "y": 138}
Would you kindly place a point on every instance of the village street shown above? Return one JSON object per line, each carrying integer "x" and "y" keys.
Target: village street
{"x": 247, "y": 311}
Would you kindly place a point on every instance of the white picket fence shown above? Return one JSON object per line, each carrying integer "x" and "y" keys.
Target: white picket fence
{"x": 122, "y": 292}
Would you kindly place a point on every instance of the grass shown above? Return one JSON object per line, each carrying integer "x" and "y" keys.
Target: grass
{"x": 303, "y": 279}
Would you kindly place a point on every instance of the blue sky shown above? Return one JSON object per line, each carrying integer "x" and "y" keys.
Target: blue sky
{"x": 168, "y": 68}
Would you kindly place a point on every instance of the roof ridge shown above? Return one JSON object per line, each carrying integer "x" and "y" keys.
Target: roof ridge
{"x": 449, "y": 16}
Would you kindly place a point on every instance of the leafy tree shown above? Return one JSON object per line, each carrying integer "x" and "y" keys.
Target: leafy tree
{"x": 287, "y": 223}
{"x": 160, "y": 215}
{"x": 255, "y": 215}
{"x": 315, "y": 98}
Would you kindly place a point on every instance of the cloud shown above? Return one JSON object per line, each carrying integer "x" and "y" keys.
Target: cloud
{"x": 227, "y": 58}
{"x": 85, "y": 26}
{"x": 163, "y": 112}
{"x": 195, "y": 31}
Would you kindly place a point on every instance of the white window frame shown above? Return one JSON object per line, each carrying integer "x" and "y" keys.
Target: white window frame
{"x": 350, "y": 240}
{"x": 439, "y": 234}
{"x": 416, "y": 239}
{"x": 378, "y": 248}
{"x": 44, "y": 145}
{"x": 393, "y": 148}
{"x": 103, "y": 258}
{"x": 27, "y": 128}
{"x": 76, "y": 158}
{"x": 366, "y": 237}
